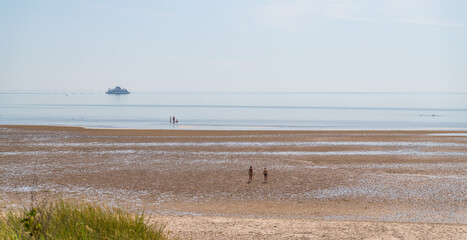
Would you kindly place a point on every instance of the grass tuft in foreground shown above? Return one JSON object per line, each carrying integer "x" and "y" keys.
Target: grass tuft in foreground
{"x": 62, "y": 219}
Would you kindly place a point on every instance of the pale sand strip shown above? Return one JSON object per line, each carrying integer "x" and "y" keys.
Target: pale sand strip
{"x": 202, "y": 227}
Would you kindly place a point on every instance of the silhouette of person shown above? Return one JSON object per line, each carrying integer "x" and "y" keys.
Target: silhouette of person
{"x": 250, "y": 174}
{"x": 265, "y": 173}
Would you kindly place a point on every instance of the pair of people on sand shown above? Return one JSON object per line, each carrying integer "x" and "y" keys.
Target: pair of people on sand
{"x": 250, "y": 175}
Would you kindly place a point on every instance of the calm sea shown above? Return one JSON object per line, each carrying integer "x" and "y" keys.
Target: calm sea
{"x": 208, "y": 110}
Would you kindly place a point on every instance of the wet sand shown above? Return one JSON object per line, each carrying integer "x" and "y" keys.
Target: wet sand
{"x": 321, "y": 184}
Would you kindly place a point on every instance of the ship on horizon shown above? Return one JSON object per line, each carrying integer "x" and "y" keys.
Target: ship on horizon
{"x": 117, "y": 90}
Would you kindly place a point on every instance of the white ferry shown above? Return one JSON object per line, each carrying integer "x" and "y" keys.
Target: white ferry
{"x": 117, "y": 90}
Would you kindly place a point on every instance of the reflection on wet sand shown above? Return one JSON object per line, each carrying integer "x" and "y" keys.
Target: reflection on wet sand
{"x": 370, "y": 176}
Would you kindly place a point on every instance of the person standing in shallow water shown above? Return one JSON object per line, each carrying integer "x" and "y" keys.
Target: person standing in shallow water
{"x": 250, "y": 174}
{"x": 265, "y": 173}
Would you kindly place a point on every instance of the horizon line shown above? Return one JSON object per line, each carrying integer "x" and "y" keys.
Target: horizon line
{"x": 230, "y": 92}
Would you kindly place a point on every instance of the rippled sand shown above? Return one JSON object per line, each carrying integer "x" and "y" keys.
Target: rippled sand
{"x": 191, "y": 178}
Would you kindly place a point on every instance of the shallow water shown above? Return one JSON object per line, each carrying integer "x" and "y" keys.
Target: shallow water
{"x": 280, "y": 111}
{"x": 254, "y": 144}
{"x": 251, "y": 153}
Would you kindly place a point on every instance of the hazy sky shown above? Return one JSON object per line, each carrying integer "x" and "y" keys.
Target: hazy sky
{"x": 242, "y": 45}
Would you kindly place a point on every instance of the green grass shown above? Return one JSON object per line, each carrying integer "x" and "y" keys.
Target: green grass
{"x": 61, "y": 219}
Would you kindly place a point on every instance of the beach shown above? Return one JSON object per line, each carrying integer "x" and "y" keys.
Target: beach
{"x": 321, "y": 184}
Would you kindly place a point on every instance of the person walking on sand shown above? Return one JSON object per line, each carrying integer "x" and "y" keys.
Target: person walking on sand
{"x": 265, "y": 173}
{"x": 250, "y": 174}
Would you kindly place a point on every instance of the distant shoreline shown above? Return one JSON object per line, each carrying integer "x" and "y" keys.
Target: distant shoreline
{"x": 180, "y": 132}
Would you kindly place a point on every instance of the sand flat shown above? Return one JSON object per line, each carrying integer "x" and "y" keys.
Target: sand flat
{"x": 336, "y": 184}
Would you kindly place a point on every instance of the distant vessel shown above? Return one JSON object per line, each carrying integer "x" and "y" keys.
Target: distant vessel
{"x": 117, "y": 90}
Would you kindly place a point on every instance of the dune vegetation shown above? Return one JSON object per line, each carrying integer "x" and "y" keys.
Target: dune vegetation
{"x": 64, "y": 219}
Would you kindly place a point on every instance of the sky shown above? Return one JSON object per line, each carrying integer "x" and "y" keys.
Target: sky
{"x": 242, "y": 45}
